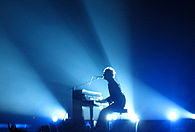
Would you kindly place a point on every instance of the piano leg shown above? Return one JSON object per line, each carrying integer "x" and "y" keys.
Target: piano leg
{"x": 91, "y": 117}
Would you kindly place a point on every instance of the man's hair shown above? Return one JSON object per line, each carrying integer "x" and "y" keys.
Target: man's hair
{"x": 110, "y": 70}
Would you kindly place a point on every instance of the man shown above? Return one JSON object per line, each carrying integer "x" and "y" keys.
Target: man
{"x": 116, "y": 99}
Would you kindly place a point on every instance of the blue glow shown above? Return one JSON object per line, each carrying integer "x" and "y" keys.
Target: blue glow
{"x": 114, "y": 40}
{"x": 3, "y": 126}
{"x": 28, "y": 94}
{"x": 157, "y": 105}
{"x": 17, "y": 125}
{"x": 22, "y": 125}
{"x": 48, "y": 54}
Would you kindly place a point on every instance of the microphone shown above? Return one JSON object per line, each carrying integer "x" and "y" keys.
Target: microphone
{"x": 99, "y": 77}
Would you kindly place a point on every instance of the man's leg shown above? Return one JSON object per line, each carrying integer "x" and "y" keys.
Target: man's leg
{"x": 102, "y": 122}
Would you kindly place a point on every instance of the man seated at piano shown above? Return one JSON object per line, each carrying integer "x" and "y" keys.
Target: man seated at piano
{"x": 116, "y": 99}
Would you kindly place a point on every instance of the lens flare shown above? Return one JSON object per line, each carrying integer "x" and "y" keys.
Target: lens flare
{"x": 172, "y": 116}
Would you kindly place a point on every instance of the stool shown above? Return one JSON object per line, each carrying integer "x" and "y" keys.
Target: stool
{"x": 120, "y": 111}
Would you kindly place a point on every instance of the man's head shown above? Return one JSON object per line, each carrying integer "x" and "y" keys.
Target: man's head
{"x": 109, "y": 73}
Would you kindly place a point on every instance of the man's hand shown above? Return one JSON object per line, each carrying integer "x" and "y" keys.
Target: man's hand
{"x": 101, "y": 101}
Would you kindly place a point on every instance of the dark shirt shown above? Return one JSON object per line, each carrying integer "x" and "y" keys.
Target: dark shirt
{"x": 115, "y": 91}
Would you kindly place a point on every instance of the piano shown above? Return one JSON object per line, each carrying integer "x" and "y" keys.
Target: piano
{"x": 84, "y": 98}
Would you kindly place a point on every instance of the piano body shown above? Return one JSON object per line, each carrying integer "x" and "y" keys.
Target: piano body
{"x": 84, "y": 98}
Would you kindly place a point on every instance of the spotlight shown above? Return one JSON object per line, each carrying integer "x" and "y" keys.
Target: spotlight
{"x": 59, "y": 115}
{"x": 55, "y": 118}
{"x": 172, "y": 116}
{"x": 112, "y": 116}
{"x": 63, "y": 116}
{"x": 100, "y": 107}
{"x": 193, "y": 116}
{"x": 134, "y": 118}
{"x": 109, "y": 117}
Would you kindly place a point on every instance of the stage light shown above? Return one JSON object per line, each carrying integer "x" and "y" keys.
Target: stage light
{"x": 59, "y": 115}
{"x": 172, "y": 116}
{"x": 101, "y": 107}
{"x": 134, "y": 118}
{"x": 63, "y": 116}
{"x": 193, "y": 116}
{"x": 109, "y": 117}
{"x": 66, "y": 116}
{"x": 112, "y": 116}
{"x": 55, "y": 118}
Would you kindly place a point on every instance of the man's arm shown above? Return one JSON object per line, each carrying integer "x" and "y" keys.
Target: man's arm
{"x": 108, "y": 99}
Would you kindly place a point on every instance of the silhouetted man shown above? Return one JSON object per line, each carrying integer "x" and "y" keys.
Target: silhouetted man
{"x": 116, "y": 99}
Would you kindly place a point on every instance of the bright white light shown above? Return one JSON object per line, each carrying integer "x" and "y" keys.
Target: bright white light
{"x": 59, "y": 114}
{"x": 66, "y": 116}
{"x": 172, "y": 116}
{"x": 112, "y": 116}
{"x": 63, "y": 116}
{"x": 101, "y": 107}
{"x": 109, "y": 117}
{"x": 55, "y": 118}
{"x": 193, "y": 116}
{"x": 133, "y": 117}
